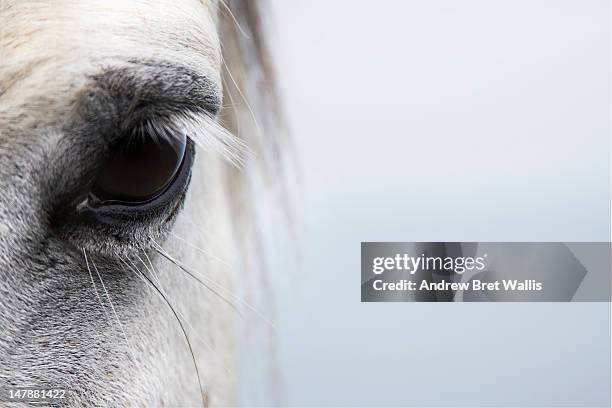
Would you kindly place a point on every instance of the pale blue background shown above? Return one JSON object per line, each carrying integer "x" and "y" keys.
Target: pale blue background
{"x": 442, "y": 120}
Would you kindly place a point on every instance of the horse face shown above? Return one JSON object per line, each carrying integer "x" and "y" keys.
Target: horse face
{"x": 97, "y": 99}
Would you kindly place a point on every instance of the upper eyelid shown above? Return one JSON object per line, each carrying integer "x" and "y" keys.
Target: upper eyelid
{"x": 170, "y": 97}
{"x": 119, "y": 98}
{"x": 148, "y": 89}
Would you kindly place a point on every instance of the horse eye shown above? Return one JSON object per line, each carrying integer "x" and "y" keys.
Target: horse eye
{"x": 139, "y": 169}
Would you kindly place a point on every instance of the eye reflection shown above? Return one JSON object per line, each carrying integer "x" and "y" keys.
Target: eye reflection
{"x": 140, "y": 169}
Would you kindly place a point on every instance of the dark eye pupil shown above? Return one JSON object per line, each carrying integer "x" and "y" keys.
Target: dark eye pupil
{"x": 139, "y": 169}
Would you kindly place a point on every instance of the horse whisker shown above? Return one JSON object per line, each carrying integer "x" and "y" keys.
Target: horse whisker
{"x": 110, "y": 302}
{"x": 178, "y": 310}
{"x": 202, "y": 232}
{"x": 181, "y": 266}
{"x": 94, "y": 286}
{"x": 187, "y": 269}
{"x": 195, "y": 364}
{"x": 244, "y": 98}
{"x": 201, "y": 250}
{"x": 234, "y": 19}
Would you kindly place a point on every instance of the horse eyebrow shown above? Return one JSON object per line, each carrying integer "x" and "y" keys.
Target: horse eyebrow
{"x": 142, "y": 89}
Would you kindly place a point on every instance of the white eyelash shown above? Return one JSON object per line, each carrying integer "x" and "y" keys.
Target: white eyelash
{"x": 206, "y": 133}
